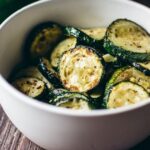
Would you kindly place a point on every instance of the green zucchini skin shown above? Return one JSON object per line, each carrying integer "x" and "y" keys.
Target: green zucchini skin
{"x": 120, "y": 52}
{"x": 83, "y": 39}
{"x": 47, "y": 71}
{"x": 127, "y": 86}
{"x": 96, "y": 96}
{"x": 138, "y": 66}
{"x": 42, "y": 39}
{"x": 61, "y": 97}
{"x": 79, "y": 56}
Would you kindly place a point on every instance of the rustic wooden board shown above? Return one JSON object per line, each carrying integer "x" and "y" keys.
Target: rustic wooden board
{"x": 11, "y": 138}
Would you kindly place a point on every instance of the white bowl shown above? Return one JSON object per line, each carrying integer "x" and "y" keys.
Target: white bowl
{"x": 57, "y": 128}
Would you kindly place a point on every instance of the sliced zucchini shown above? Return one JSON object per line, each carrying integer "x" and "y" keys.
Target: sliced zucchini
{"x": 126, "y": 93}
{"x": 47, "y": 71}
{"x": 96, "y": 96}
{"x": 72, "y": 100}
{"x": 80, "y": 69}
{"x": 32, "y": 87}
{"x": 144, "y": 67}
{"x": 127, "y": 40}
{"x": 35, "y": 73}
{"x": 129, "y": 74}
{"x": 82, "y": 38}
{"x": 42, "y": 39}
{"x": 62, "y": 47}
{"x": 95, "y": 33}
{"x": 109, "y": 58}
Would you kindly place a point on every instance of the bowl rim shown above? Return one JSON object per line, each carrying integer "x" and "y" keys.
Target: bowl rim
{"x": 62, "y": 111}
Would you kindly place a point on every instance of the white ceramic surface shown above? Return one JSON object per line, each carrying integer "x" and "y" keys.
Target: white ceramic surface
{"x": 56, "y": 128}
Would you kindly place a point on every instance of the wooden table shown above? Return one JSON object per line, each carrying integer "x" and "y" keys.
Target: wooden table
{"x": 12, "y": 139}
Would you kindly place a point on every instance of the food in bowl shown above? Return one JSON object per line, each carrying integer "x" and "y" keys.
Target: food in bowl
{"x": 85, "y": 69}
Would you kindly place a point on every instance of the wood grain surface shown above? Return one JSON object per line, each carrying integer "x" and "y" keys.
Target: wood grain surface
{"x": 12, "y": 139}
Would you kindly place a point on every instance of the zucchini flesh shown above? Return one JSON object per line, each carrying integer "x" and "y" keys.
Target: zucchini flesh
{"x": 126, "y": 93}
{"x": 62, "y": 47}
{"x": 35, "y": 73}
{"x": 71, "y": 100}
{"x": 129, "y": 74}
{"x": 80, "y": 69}
{"x": 47, "y": 71}
{"x": 109, "y": 58}
{"x": 127, "y": 40}
{"x": 32, "y": 87}
{"x": 143, "y": 66}
{"x": 95, "y": 33}
{"x": 42, "y": 39}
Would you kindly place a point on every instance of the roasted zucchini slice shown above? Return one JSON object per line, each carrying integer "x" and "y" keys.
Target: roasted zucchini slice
{"x": 81, "y": 69}
{"x": 143, "y": 66}
{"x": 42, "y": 39}
{"x": 33, "y": 71}
{"x": 71, "y": 100}
{"x": 109, "y": 58}
{"x": 127, "y": 40}
{"x": 62, "y": 47}
{"x": 82, "y": 37}
{"x": 95, "y": 33}
{"x": 48, "y": 72}
{"x": 32, "y": 87}
{"x": 129, "y": 74}
{"x": 124, "y": 94}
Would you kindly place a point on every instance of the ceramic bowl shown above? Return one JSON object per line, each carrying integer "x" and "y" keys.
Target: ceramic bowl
{"x": 56, "y": 128}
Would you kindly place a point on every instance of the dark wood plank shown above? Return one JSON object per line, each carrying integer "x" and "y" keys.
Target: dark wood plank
{"x": 11, "y": 138}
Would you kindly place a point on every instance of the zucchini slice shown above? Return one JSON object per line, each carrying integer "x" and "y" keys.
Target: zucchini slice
{"x": 42, "y": 39}
{"x": 129, "y": 74}
{"x": 82, "y": 38}
{"x": 143, "y": 66}
{"x": 95, "y": 33}
{"x": 109, "y": 58}
{"x": 32, "y": 87}
{"x": 48, "y": 72}
{"x": 62, "y": 47}
{"x": 71, "y": 100}
{"x": 127, "y": 40}
{"x": 126, "y": 93}
{"x": 81, "y": 69}
{"x": 35, "y": 73}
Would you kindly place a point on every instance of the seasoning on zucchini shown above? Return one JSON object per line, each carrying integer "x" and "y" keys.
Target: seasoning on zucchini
{"x": 82, "y": 38}
{"x": 30, "y": 86}
{"x": 127, "y": 40}
{"x": 95, "y": 33}
{"x": 33, "y": 71}
{"x": 80, "y": 69}
{"x": 47, "y": 71}
{"x": 143, "y": 66}
{"x": 62, "y": 47}
{"x": 129, "y": 74}
{"x": 42, "y": 39}
{"x": 72, "y": 100}
{"x": 125, "y": 93}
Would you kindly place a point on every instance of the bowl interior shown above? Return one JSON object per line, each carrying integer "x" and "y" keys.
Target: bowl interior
{"x": 79, "y": 13}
